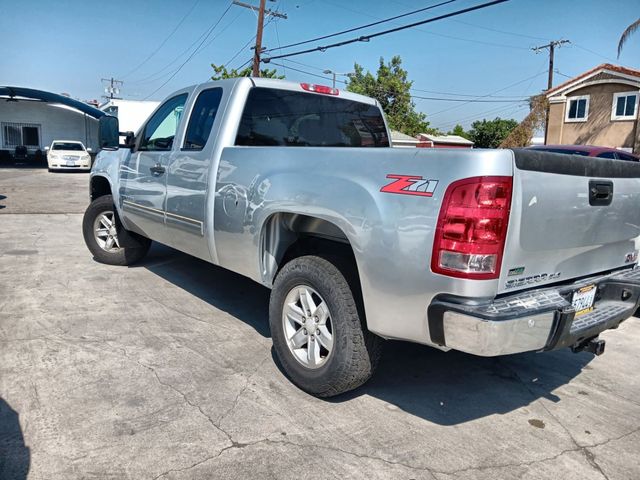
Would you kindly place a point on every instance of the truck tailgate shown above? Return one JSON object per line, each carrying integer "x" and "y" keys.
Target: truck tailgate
{"x": 571, "y": 216}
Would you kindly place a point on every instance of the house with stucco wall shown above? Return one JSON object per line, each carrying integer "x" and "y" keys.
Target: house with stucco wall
{"x": 598, "y": 107}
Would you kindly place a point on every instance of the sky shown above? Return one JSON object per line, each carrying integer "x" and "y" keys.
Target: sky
{"x": 158, "y": 46}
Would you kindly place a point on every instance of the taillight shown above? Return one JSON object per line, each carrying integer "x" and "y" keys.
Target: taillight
{"x": 472, "y": 227}
{"x": 312, "y": 87}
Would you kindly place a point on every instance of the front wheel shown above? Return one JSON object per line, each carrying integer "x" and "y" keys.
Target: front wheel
{"x": 100, "y": 227}
{"x": 317, "y": 331}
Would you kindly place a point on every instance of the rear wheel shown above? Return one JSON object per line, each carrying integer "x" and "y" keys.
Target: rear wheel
{"x": 101, "y": 228}
{"x": 317, "y": 331}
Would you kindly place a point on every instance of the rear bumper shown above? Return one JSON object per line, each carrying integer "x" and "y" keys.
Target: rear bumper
{"x": 536, "y": 320}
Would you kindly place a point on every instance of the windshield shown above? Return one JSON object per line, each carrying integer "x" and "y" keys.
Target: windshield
{"x": 568, "y": 151}
{"x": 76, "y": 147}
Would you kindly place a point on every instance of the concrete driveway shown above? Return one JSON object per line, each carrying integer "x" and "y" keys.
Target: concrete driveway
{"x": 165, "y": 370}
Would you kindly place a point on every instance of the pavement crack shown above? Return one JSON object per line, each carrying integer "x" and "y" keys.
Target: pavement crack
{"x": 242, "y": 391}
{"x": 355, "y": 454}
{"x": 591, "y": 458}
{"x": 233, "y": 445}
{"x": 179, "y": 392}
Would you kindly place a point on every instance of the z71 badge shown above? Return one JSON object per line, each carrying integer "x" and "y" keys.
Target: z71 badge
{"x": 410, "y": 185}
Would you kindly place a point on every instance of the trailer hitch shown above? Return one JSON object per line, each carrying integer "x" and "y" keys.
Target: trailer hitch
{"x": 592, "y": 345}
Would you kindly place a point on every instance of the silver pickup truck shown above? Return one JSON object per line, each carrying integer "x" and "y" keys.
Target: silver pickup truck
{"x": 295, "y": 186}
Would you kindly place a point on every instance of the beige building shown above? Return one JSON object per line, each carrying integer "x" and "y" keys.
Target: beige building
{"x": 599, "y": 107}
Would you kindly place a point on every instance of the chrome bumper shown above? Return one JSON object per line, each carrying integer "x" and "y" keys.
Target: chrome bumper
{"x": 536, "y": 320}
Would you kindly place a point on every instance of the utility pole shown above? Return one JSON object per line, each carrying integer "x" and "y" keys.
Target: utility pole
{"x": 334, "y": 74}
{"x": 112, "y": 88}
{"x": 551, "y": 46}
{"x": 258, "y": 48}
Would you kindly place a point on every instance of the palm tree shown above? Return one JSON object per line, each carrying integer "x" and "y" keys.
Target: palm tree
{"x": 626, "y": 34}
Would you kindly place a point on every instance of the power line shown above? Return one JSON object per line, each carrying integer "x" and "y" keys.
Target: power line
{"x": 483, "y": 114}
{"x": 462, "y": 39}
{"x": 496, "y": 91}
{"x": 502, "y": 31}
{"x": 222, "y": 31}
{"x": 363, "y": 26}
{"x": 158, "y": 74}
{"x": 594, "y": 53}
{"x": 240, "y": 51}
{"x": 166, "y": 39}
{"x": 452, "y": 94}
{"x": 412, "y": 96}
{"x": 193, "y": 53}
{"x": 366, "y": 38}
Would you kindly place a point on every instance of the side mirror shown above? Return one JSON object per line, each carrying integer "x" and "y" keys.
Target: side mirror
{"x": 108, "y": 132}
{"x": 46, "y": 149}
{"x": 89, "y": 150}
{"x": 129, "y": 139}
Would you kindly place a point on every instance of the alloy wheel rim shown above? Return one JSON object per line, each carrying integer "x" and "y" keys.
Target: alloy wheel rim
{"x": 307, "y": 326}
{"x": 105, "y": 232}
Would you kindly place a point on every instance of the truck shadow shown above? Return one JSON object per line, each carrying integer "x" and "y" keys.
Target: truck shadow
{"x": 446, "y": 388}
{"x": 449, "y": 388}
{"x": 15, "y": 456}
{"x": 220, "y": 288}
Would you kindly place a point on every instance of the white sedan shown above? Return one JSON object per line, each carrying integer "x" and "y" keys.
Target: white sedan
{"x": 68, "y": 155}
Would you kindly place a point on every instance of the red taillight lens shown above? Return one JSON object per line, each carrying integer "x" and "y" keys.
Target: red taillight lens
{"x": 312, "y": 87}
{"x": 472, "y": 227}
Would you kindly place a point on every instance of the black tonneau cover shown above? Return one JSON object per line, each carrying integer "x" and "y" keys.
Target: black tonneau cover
{"x": 577, "y": 165}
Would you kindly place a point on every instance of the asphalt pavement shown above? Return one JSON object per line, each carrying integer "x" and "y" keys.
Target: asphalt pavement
{"x": 165, "y": 370}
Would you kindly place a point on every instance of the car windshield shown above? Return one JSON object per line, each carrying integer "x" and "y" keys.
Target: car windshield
{"x": 568, "y": 151}
{"x": 76, "y": 147}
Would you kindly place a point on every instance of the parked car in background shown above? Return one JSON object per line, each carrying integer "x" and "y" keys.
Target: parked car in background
{"x": 68, "y": 155}
{"x": 588, "y": 151}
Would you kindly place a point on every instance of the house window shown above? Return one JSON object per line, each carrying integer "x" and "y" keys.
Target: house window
{"x": 625, "y": 106}
{"x": 17, "y": 134}
{"x": 577, "y": 109}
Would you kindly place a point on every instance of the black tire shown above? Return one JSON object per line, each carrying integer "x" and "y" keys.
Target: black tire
{"x": 356, "y": 351}
{"x": 137, "y": 245}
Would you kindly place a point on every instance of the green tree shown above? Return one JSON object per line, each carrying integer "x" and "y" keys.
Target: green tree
{"x": 491, "y": 133}
{"x": 391, "y": 88}
{"x": 459, "y": 131}
{"x": 221, "y": 73}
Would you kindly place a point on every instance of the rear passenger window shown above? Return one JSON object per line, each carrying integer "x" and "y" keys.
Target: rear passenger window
{"x": 274, "y": 117}
{"x": 607, "y": 155}
{"x": 202, "y": 118}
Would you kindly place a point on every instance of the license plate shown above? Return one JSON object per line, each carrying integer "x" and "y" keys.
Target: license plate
{"x": 71, "y": 163}
{"x": 583, "y": 299}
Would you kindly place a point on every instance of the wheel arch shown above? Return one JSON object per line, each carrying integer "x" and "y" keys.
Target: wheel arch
{"x": 287, "y": 235}
{"x": 99, "y": 187}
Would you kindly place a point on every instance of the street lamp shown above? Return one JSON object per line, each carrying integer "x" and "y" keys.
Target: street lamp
{"x": 331, "y": 72}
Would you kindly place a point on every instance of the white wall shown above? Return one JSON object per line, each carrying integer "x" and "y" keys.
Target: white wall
{"x": 56, "y": 123}
{"x": 131, "y": 113}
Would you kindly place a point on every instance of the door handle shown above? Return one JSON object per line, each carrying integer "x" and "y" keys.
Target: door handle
{"x": 600, "y": 192}
{"x": 157, "y": 169}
